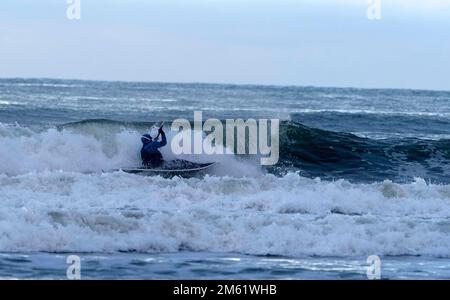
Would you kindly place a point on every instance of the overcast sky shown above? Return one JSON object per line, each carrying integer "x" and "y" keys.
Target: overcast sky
{"x": 280, "y": 42}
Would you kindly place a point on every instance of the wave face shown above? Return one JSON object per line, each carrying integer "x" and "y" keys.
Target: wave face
{"x": 331, "y": 155}
{"x": 96, "y": 145}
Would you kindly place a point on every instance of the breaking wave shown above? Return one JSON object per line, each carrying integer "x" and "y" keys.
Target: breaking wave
{"x": 95, "y": 145}
{"x": 264, "y": 215}
{"x": 55, "y": 198}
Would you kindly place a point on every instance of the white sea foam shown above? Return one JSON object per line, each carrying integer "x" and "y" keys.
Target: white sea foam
{"x": 64, "y": 150}
{"x": 374, "y": 112}
{"x": 90, "y": 149}
{"x": 387, "y": 135}
{"x": 263, "y": 214}
{"x": 49, "y": 204}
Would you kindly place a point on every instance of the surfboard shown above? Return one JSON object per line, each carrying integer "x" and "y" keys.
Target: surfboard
{"x": 172, "y": 168}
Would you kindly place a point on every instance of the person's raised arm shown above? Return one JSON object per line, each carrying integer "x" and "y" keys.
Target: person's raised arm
{"x": 163, "y": 138}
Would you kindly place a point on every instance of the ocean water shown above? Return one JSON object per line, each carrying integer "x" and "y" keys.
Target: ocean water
{"x": 361, "y": 172}
{"x": 215, "y": 266}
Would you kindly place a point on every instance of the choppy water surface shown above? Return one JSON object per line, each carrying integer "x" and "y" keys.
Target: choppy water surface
{"x": 361, "y": 172}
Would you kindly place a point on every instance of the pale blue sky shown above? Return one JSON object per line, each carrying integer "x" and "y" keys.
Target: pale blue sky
{"x": 281, "y": 42}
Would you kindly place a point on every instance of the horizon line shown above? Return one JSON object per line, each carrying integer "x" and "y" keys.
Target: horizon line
{"x": 228, "y": 83}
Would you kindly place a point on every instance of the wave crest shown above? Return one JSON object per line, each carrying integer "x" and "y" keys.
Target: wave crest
{"x": 93, "y": 145}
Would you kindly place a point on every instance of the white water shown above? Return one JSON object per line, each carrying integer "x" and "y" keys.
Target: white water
{"x": 67, "y": 211}
{"x": 90, "y": 148}
{"x": 48, "y": 204}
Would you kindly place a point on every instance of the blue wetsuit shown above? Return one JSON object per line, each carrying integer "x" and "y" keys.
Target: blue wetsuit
{"x": 150, "y": 154}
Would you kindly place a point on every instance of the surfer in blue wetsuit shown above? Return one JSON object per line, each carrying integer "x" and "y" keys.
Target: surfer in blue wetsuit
{"x": 150, "y": 154}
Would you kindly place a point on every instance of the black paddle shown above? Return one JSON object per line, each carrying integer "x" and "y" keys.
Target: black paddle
{"x": 159, "y": 131}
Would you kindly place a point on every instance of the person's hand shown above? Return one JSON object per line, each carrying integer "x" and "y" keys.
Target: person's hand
{"x": 160, "y": 130}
